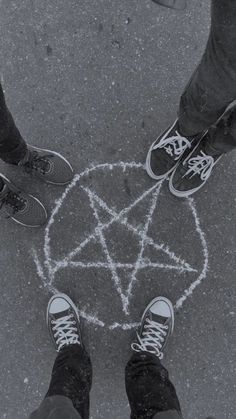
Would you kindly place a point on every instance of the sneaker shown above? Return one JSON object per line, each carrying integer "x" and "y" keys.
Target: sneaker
{"x": 157, "y": 325}
{"x": 166, "y": 152}
{"x": 47, "y": 165}
{"x": 63, "y": 322}
{"x": 193, "y": 171}
{"x": 21, "y": 207}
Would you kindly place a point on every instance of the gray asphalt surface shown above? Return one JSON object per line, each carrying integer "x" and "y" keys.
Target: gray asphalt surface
{"x": 98, "y": 81}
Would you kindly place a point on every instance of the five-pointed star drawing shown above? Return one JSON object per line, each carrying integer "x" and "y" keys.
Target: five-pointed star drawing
{"x": 144, "y": 240}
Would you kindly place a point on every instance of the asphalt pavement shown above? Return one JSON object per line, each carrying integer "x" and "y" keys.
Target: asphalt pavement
{"x": 98, "y": 81}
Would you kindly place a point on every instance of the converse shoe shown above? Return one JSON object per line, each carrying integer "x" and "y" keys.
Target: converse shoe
{"x": 193, "y": 171}
{"x": 47, "y": 165}
{"x": 166, "y": 152}
{"x": 157, "y": 325}
{"x": 21, "y": 207}
{"x": 63, "y": 322}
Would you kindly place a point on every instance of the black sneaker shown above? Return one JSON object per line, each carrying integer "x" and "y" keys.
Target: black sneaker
{"x": 47, "y": 165}
{"x": 193, "y": 171}
{"x": 21, "y": 207}
{"x": 166, "y": 152}
{"x": 63, "y": 322}
{"x": 157, "y": 324}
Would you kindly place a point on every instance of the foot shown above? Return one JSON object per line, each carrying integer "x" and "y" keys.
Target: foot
{"x": 47, "y": 165}
{"x": 192, "y": 172}
{"x": 63, "y": 322}
{"x": 157, "y": 325}
{"x": 166, "y": 152}
{"x": 21, "y": 207}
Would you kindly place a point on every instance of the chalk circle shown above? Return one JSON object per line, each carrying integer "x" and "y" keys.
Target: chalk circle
{"x": 48, "y": 269}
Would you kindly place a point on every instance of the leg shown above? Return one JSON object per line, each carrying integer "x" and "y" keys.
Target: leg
{"x": 12, "y": 145}
{"x": 70, "y": 385}
{"x": 72, "y": 371}
{"x": 213, "y": 85}
{"x": 47, "y": 165}
{"x": 149, "y": 389}
{"x": 56, "y": 407}
{"x": 72, "y": 377}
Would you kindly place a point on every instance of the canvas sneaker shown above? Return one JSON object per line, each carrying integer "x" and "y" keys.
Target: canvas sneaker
{"x": 47, "y": 165}
{"x": 157, "y": 325}
{"x": 63, "y": 322}
{"x": 21, "y": 207}
{"x": 166, "y": 152}
{"x": 192, "y": 172}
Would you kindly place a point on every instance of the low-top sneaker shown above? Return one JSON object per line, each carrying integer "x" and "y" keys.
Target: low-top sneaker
{"x": 21, "y": 207}
{"x": 193, "y": 171}
{"x": 47, "y": 165}
{"x": 166, "y": 152}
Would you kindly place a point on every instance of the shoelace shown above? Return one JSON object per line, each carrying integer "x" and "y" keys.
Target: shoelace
{"x": 152, "y": 338}
{"x": 175, "y": 146}
{"x": 64, "y": 331}
{"x": 201, "y": 165}
{"x": 14, "y": 200}
{"x": 37, "y": 162}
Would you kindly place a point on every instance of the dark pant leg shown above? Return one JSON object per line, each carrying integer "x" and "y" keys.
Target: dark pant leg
{"x": 213, "y": 85}
{"x": 12, "y": 145}
{"x": 149, "y": 389}
{"x": 56, "y": 407}
{"x": 72, "y": 378}
{"x": 222, "y": 136}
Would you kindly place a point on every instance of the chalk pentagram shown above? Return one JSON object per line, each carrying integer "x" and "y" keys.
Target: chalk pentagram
{"x": 49, "y": 269}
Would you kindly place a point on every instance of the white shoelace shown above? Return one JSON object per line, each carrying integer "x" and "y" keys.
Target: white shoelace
{"x": 201, "y": 165}
{"x": 175, "y": 146}
{"x": 152, "y": 338}
{"x": 64, "y": 331}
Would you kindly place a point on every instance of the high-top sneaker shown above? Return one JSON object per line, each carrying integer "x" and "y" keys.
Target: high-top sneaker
{"x": 157, "y": 325}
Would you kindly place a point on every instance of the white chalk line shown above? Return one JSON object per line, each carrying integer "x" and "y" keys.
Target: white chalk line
{"x": 142, "y": 244}
{"x": 145, "y": 263}
{"x": 124, "y": 326}
{"x": 189, "y": 291}
{"x": 148, "y": 240}
{"x": 59, "y": 202}
{"x": 91, "y": 318}
{"x": 112, "y": 267}
{"x": 47, "y": 251}
{"x": 115, "y": 218}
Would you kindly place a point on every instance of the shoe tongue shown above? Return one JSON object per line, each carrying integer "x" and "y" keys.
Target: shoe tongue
{"x": 158, "y": 318}
{"x": 61, "y": 314}
{"x": 41, "y": 162}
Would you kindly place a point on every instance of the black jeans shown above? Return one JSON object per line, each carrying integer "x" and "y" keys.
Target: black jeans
{"x": 212, "y": 86}
{"x": 12, "y": 145}
{"x": 149, "y": 390}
